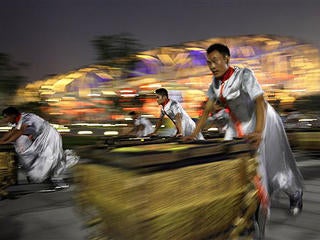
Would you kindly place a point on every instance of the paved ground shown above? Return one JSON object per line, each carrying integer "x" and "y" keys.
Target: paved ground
{"x": 31, "y": 215}
{"x": 306, "y": 225}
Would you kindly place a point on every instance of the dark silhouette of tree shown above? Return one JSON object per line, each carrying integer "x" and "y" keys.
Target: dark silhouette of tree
{"x": 308, "y": 103}
{"x": 10, "y": 77}
{"x": 117, "y": 50}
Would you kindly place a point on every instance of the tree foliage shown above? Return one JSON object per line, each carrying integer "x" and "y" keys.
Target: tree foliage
{"x": 308, "y": 103}
{"x": 116, "y": 50}
{"x": 10, "y": 77}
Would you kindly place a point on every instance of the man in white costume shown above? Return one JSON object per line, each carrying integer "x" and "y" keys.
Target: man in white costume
{"x": 38, "y": 146}
{"x": 174, "y": 111}
{"x": 142, "y": 126}
{"x": 251, "y": 117}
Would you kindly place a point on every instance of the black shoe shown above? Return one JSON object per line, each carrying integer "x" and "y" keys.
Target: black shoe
{"x": 296, "y": 203}
{"x": 60, "y": 184}
{"x": 48, "y": 189}
{"x": 29, "y": 180}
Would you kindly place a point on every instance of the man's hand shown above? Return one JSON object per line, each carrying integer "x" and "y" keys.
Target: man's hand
{"x": 188, "y": 138}
{"x": 152, "y": 134}
{"x": 254, "y": 139}
{"x": 178, "y": 135}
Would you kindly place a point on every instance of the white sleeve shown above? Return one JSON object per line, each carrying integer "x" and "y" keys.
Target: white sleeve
{"x": 176, "y": 108}
{"x": 162, "y": 113}
{"x": 137, "y": 122}
{"x": 211, "y": 94}
{"x": 250, "y": 84}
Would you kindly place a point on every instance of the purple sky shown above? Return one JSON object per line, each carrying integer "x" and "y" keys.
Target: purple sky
{"x": 54, "y": 36}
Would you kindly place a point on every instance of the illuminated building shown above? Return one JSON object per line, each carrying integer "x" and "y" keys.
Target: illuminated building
{"x": 285, "y": 67}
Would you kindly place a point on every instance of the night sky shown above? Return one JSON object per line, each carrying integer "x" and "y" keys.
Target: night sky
{"x": 54, "y": 36}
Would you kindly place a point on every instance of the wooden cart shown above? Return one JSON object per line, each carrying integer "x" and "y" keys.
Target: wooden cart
{"x": 305, "y": 139}
{"x": 199, "y": 190}
{"x": 8, "y": 168}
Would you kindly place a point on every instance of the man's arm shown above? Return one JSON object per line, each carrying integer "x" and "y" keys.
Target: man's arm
{"x": 178, "y": 124}
{"x": 260, "y": 114}
{"x": 7, "y": 135}
{"x": 15, "y": 133}
{"x": 158, "y": 125}
{"x": 131, "y": 131}
{"x": 140, "y": 127}
{"x": 209, "y": 107}
{"x": 255, "y": 137}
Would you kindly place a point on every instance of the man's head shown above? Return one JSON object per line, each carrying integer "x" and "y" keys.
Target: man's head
{"x": 162, "y": 96}
{"x": 218, "y": 57}
{"x": 10, "y": 114}
{"x": 133, "y": 114}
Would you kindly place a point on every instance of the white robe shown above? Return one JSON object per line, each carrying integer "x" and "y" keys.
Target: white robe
{"x": 42, "y": 157}
{"x": 147, "y": 126}
{"x": 171, "y": 109}
{"x": 277, "y": 164}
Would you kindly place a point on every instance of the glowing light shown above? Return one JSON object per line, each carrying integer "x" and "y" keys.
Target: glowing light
{"x": 109, "y": 93}
{"x": 307, "y": 120}
{"x": 94, "y": 95}
{"x": 85, "y": 132}
{"x": 110, "y": 133}
{"x": 56, "y": 113}
{"x": 53, "y": 100}
{"x": 63, "y": 130}
{"x": 4, "y": 129}
{"x": 69, "y": 98}
{"x": 145, "y": 57}
{"x": 195, "y": 49}
{"x": 121, "y": 125}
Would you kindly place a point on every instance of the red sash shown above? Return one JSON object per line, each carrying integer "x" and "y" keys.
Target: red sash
{"x": 223, "y": 100}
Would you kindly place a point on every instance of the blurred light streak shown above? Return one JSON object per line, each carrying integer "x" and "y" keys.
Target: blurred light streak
{"x": 5, "y": 129}
{"x": 108, "y": 93}
{"x": 85, "y": 132}
{"x": 111, "y": 133}
{"x": 214, "y": 129}
{"x": 307, "y": 119}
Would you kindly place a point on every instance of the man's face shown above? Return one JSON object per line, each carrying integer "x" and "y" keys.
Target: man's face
{"x": 9, "y": 118}
{"x": 217, "y": 63}
{"x": 135, "y": 116}
{"x": 161, "y": 99}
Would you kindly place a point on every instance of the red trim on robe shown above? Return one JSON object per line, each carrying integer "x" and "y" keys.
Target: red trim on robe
{"x": 235, "y": 120}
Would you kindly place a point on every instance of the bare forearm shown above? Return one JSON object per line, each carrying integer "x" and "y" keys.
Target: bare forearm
{"x": 7, "y": 135}
{"x": 158, "y": 125}
{"x": 178, "y": 123}
{"x": 16, "y": 134}
{"x": 255, "y": 137}
{"x": 200, "y": 124}
{"x": 210, "y": 106}
{"x": 260, "y": 114}
{"x": 140, "y": 127}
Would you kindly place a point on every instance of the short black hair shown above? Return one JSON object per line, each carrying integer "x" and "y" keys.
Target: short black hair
{"x": 221, "y": 48}
{"x": 162, "y": 92}
{"x": 9, "y": 111}
{"x": 132, "y": 113}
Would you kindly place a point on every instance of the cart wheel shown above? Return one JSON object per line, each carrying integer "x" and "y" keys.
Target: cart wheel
{"x": 259, "y": 223}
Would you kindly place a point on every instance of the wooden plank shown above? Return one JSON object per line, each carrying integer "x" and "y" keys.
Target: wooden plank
{"x": 147, "y": 155}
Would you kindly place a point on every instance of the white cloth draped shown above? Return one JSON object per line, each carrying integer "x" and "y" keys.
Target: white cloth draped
{"x": 44, "y": 156}
{"x": 147, "y": 126}
{"x": 277, "y": 164}
{"x": 171, "y": 109}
